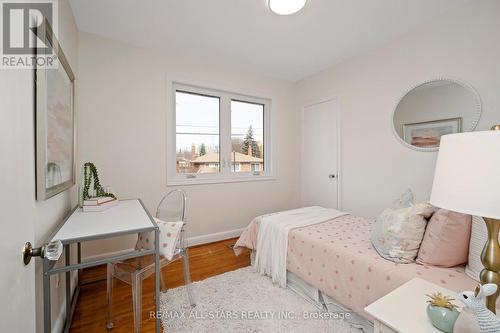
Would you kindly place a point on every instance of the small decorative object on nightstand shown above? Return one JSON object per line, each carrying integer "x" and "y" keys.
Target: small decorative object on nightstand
{"x": 475, "y": 301}
{"x": 390, "y": 317}
{"x": 442, "y": 312}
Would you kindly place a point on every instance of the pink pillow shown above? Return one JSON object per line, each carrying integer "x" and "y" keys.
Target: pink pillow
{"x": 446, "y": 239}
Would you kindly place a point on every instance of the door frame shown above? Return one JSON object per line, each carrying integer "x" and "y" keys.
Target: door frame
{"x": 339, "y": 147}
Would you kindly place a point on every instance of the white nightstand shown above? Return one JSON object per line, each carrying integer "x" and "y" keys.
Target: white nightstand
{"x": 404, "y": 309}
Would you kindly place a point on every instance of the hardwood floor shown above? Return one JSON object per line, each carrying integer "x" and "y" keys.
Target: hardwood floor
{"x": 90, "y": 314}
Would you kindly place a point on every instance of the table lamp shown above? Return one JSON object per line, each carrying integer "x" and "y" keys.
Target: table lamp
{"x": 467, "y": 180}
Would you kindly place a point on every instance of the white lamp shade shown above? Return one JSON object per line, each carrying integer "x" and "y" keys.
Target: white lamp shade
{"x": 467, "y": 176}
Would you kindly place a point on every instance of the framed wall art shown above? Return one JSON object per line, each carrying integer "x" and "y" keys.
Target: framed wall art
{"x": 428, "y": 134}
{"x": 55, "y": 120}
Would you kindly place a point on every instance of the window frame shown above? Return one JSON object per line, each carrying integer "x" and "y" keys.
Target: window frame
{"x": 233, "y": 167}
{"x": 225, "y": 174}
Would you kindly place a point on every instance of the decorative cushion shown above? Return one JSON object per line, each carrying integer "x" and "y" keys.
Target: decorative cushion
{"x": 397, "y": 233}
{"x": 446, "y": 239}
{"x": 169, "y": 236}
{"x": 405, "y": 200}
{"x": 479, "y": 236}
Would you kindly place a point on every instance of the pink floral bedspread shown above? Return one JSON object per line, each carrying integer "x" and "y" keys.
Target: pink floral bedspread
{"x": 337, "y": 258}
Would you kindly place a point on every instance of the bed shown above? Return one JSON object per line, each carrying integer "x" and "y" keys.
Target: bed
{"x": 337, "y": 258}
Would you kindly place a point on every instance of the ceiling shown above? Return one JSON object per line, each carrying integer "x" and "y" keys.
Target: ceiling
{"x": 245, "y": 33}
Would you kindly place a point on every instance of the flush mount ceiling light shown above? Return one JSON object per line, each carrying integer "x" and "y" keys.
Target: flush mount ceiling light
{"x": 286, "y": 7}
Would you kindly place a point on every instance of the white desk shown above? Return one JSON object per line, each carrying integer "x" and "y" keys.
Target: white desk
{"x": 404, "y": 309}
{"x": 127, "y": 217}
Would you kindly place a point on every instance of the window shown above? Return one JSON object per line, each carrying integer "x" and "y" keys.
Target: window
{"x": 217, "y": 136}
{"x": 247, "y": 135}
{"x": 197, "y": 133}
{"x": 236, "y": 167}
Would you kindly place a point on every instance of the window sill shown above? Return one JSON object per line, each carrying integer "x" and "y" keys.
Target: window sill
{"x": 203, "y": 181}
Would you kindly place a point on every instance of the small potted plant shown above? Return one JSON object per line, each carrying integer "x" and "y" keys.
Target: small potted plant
{"x": 442, "y": 312}
{"x": 90, "y": 186}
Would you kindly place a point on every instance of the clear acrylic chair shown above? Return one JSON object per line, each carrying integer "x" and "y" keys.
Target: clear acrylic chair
{"x": 172, "y": 208}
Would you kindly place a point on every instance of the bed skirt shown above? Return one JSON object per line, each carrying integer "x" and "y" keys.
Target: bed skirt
{"x": 322, "y": 301}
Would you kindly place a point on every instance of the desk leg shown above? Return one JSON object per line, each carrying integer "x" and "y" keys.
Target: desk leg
{"x": 68, "y": 280}
{"x": 46, "y": 298}
{"x": 79, "y": 259}
{"x": 157, "y": 279}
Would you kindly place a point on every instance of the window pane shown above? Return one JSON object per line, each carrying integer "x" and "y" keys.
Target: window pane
{"x": 247, "y": 137}
{"x": 197, "y": 133}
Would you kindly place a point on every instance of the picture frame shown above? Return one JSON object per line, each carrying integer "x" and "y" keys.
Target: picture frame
{"x": 55, "y": 120}
{"x": 428, "y": 134}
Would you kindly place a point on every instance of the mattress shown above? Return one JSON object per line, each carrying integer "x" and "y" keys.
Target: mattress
{"x": 338, "y": 258}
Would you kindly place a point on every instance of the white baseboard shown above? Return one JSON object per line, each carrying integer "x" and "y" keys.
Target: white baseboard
{"x": 191, "y": 241}
{"x": 210, "y": 238}
{"x": 107, "y": 254}
{"x": 58, "y": 325}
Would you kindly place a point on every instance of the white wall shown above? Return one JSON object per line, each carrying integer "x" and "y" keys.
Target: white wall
{"x": 122, "y": 129}
{"x": 376, "y": 167}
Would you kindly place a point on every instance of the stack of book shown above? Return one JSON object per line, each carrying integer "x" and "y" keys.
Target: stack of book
{"x": 99, "y": 204}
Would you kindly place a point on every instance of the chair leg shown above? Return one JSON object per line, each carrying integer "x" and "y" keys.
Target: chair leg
{"x": 187, "y": 276}
{"x": 109, "y": 295}
{"x": 137, "y": 301}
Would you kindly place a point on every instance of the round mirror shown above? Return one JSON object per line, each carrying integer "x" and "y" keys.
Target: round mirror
{"x": 433, "y": 109}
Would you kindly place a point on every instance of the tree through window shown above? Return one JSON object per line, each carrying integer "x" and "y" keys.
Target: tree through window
{"x": 247, "y": 136}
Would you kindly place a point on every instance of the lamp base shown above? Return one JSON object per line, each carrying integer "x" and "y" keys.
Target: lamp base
{"x": 491, "y": 261}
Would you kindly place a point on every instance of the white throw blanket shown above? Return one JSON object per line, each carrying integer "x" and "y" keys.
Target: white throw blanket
{"x": 272, "y": 240}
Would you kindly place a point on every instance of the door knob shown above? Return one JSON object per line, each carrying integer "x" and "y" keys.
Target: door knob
{"x": 332, "y": 176}
{"x": 51, "y": 251}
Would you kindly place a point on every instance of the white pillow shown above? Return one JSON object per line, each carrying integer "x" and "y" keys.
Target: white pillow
{"x": 169, "y": 237}
{"x": 397, "y": 233}
{"x": 478, "y": 238}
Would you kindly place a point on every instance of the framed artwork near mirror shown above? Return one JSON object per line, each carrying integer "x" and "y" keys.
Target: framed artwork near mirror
{"x": 55, "y": 128}
{"x": 435, "y": 108}
{"x": 428, "y": 134}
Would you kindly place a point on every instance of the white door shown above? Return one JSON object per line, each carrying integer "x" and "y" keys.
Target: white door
{"x": 320, "y": 155}
{"x": 17, "y": 282}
